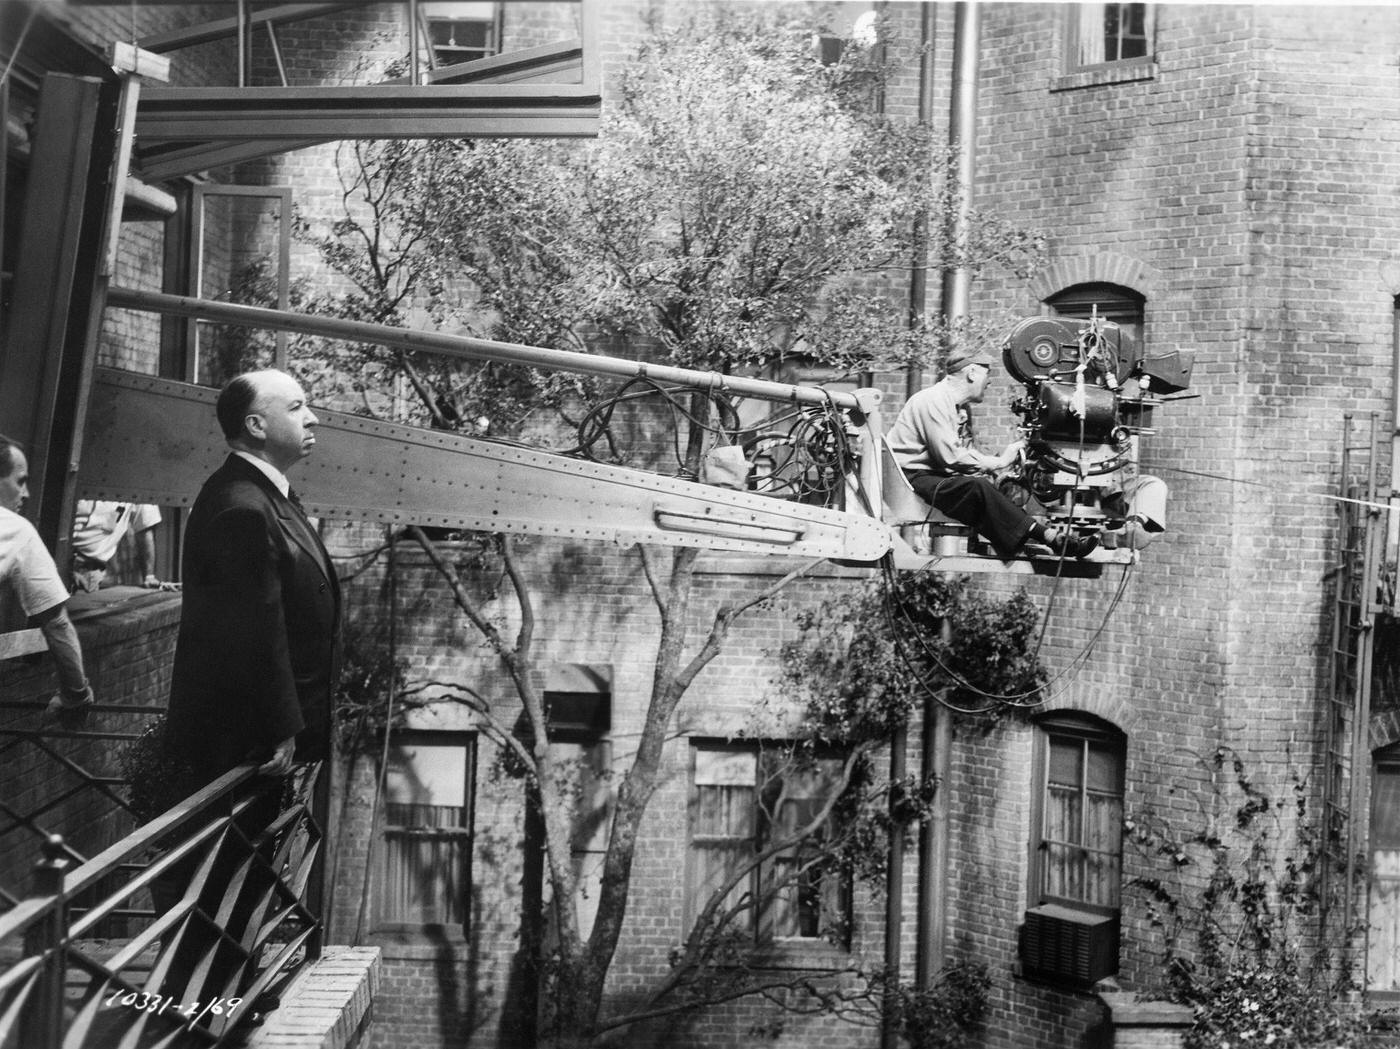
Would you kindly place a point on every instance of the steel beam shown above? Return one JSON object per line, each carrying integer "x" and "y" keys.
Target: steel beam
{"x": 355, "y": 114}
{"x": 155, "y": 441}
{"x": 50, "y": 334}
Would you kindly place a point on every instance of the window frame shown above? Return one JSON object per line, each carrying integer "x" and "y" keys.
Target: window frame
{"x": 1086, "y": 729}
{"x": 1116, "y": 302}
{"x": 1074, "y": 74}
{"x": 825, "y": 948}
{"x": 459, "y": 54}
{"x": 382, "y": 923}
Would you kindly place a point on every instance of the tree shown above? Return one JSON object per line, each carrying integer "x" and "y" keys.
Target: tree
{"x": 739, "y": 210}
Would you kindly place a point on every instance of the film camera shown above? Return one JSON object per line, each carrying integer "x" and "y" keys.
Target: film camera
{"x": 1089, "y": 394}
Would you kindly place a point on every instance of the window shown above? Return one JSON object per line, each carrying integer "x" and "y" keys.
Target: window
{"x": 1080, "y": 848}
{"x": 425, "y": 851}
{"x": 1071, "y": 931}
{"x": 1103, "y": 33}
{"x": 1383, "y": 915}
{"x": 578, "y": 711}
{"x": 462, "y": 32}
{"x": 1123, "y": 306}
{"x": 749, "y": 807}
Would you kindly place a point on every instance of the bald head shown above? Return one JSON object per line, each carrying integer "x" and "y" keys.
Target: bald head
{"x": 265, "y": 414}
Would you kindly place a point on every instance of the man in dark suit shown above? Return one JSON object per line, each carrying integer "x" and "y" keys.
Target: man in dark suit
{"x": 256, "y": 658}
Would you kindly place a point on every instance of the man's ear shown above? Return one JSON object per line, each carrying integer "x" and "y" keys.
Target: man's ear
{"x": 255, "y": 426}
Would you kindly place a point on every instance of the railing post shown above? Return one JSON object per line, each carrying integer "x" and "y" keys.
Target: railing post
{"x": 43, "y": 1014}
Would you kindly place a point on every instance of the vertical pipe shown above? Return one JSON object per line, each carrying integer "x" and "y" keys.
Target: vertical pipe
{"x": 962, "y": 136}
{"x": 938, "y": 730}
{"x": 894, "y": 899}
{"x": 933, "y": 840}
{"x": 413, "y": 24}
{"x": 243, "y": 42}
{"x": 918, "y": 272}
{"x": 913, "y": 381}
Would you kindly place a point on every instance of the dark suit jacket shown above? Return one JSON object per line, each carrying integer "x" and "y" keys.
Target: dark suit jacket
{"x": 257, "y": 656}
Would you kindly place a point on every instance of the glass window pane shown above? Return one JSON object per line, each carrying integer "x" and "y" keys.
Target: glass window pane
{"x": 1105, "y": 772}
{"x": 725, "y": 768}
{"x": 1066, "y": 761}
{"x": 426, "y": 774}
{"x": 1081, "y": 825}
{"x": 427, "y": 811}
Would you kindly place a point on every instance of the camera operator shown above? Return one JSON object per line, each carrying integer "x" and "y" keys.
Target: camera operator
{"x": 932, "y": 442}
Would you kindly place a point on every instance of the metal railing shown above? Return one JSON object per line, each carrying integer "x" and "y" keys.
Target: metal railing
{"x": 217, "y": 888}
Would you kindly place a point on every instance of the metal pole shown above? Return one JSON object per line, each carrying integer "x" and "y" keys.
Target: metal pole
{"x": 899, "y": 739}
{"x": 467, "y": 348}
{"x": 918, "y": 272}
{"x": 938, "y": 729}
{"x": 962, "y": 136}
{"x": 42, "y": 1022}
{"x": 894, "y": 899}
{"x": 933, "y": 840}
{"x": 243, "y": 41}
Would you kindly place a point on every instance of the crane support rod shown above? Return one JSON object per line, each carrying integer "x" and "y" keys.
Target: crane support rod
{"x": 468, "y": 348}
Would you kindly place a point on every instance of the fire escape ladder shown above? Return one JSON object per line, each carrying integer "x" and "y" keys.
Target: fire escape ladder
{"x": 1346, "y": 746}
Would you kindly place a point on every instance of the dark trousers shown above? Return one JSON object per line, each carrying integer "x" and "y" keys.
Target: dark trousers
{"x": 979, "y": 504}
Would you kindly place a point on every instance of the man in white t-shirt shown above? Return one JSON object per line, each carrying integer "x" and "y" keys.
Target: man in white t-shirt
{"x": 98, "y": 529}
{"x": 31, "y": 590}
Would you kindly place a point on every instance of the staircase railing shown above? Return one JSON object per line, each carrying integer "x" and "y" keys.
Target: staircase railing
{"x": 220, "y": 881}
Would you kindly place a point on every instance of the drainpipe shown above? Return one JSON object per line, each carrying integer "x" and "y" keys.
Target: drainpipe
{"x": 913, "y": 382}
{"x": 938, "y": 729}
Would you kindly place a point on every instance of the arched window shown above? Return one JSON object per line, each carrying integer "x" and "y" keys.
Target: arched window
{"x": 1076, "y": 869}
{"x": 1114, "y": 302}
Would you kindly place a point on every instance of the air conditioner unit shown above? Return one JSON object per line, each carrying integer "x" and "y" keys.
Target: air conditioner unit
{"x": 1065, "y": 945}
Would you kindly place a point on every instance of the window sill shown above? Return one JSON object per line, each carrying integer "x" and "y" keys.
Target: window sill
{"x": 800, "y": 954}
{"x": 423, "y": 943}
{"x": 1109, "y": 73}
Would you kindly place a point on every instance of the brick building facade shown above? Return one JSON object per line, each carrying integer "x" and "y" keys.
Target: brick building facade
{"x": 1234, "y": 179}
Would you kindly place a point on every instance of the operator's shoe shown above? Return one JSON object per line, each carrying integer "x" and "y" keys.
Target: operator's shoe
{"x": 1071, "y": 544}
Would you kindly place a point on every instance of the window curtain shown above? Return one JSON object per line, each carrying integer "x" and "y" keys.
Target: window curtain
{"x": 722, "y": 827}
{"x": 423, "y": 864}
{"x": 1089, "y": 40}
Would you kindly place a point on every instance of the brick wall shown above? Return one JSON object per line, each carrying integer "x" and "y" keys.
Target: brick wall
{"x": 592, "y": 606}
{"x": 1242, "y": 190}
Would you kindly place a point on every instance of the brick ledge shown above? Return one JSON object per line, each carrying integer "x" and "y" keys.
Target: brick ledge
{"x": 327, "y": 1006}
